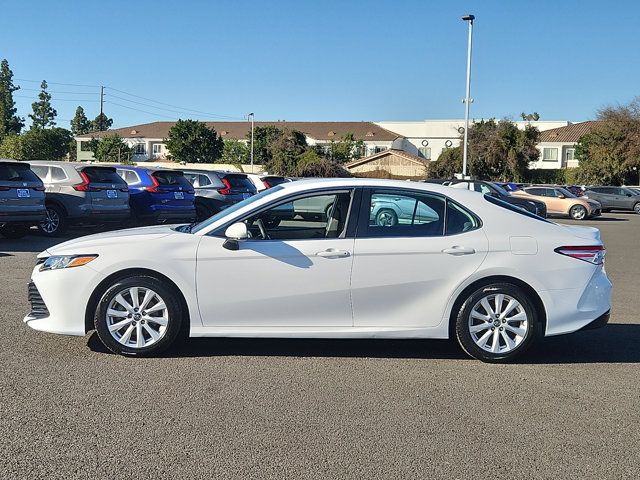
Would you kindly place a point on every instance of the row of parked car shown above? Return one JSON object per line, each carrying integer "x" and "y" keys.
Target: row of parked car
{"x": 57, "y": 195}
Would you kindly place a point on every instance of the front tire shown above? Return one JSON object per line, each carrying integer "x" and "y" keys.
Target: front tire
{"x": 138, "y": 315}
{"x": 386, "y": 218}
{"x": 636, "y": 208}
{"x": 578, "y": 212}
{"x": 496, "y": 323}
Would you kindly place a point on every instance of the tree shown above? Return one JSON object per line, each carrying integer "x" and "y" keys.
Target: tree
{"x": 80, "y": 124}
{"x": 310, "y": 164}
{"x": 608, "y": 153}
{"x": 110, "y": 148}
{"x": 285, "y": 152}
{"x": 448, "y": 164}
{"x": 192, "y": 141}
{"x": 38, "y": 144}
{"x": 235, "y": 152}
{"x": 44, "y": 114}
{"x": 11, "y": 147}
{"x": 346, "y": 149}
{"x": 10, "y": 123}
{"x": 527, "y": 117}
{"x": 263, "y": 139}
{"x": 101, "y": 123}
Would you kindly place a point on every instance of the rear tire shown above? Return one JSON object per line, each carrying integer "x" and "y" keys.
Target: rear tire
{"x": 123, "y": 323}
{"x": 497, "y": 323}
{"x": 14, "y": 232}
{"x": 578, "y": 212}
{"x": 636, "y": 208}
{"x": 55, "y": 224}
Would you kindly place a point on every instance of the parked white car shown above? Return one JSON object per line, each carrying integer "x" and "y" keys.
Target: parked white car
{"x": 476, "y": 269}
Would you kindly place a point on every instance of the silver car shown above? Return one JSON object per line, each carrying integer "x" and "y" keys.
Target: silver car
{"x": 81, "y": 194}
{"x": 21, "y": 199}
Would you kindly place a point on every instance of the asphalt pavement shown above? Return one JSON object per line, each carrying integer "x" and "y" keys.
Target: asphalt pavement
{"x": 240, "y": 409}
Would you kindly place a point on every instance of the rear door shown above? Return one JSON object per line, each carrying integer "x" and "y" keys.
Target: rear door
{"x": 106, "y": 191}
{"x": 21, "y": 190}
{"x": 405, "y": 271}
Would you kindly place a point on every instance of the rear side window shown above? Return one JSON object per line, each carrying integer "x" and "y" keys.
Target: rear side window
{"x": 204, "y": 181}
{"x": 405, "y": 214}
{"x": 40, "y": 170}
{"x": 102, "y": 175}
{"x": 171, "y": 179}
{"x": 536, "y": 191}
{"x": 57, "y": 174}
{"x": 458, "y": 219}
{"x": 128, "y": 176}
{"x": 239, "y": 181}
{"x": 16, "y": 173}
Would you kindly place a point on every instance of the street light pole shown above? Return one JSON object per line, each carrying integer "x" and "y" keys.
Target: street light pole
{"x": 252, "y": 117}
{"x": 467, "y": 100}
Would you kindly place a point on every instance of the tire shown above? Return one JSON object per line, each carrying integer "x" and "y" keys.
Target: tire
{"x": 578, "y": 212}
{"x": 141, "y": 333}
{"x": 56, "y": 222}
{"x": 14, "y": 232}
{"x": 386, "y": 218}
{"x": 477, "y": 335}
{"x": 636, "y": 208}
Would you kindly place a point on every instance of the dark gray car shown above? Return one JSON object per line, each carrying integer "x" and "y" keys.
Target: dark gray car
{"x": 81, "y": 194}
{"x": 217, "y": 190}
{"x": 614, "y": 198}
{"x": 21, "y": 199}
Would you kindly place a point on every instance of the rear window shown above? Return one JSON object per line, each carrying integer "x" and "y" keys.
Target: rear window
{"x": 10, "y": 172}
{"x": 273, "y": 181}
{"x": 239, "y": 181}
{"x": 102, "y": 175}
{"x": 171, "y": 178}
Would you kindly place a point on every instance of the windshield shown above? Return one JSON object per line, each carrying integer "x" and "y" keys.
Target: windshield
{"x": 500, "y": 190}
{"x": 566, "y": 192}
{"x": 233, "y": 208}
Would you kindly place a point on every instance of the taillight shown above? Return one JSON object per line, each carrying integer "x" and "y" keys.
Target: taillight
{"x": 84, "y": 186}
{"x": 155, "y": 186}
{"x": 4, "y": 189}
{"x": 591, "y": 253}
{"x": 227, "y": 189}
{"x": 266, "y": 184}
{"x": 39, "y": 189}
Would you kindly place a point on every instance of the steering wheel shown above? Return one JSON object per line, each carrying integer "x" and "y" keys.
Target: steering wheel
{"x": 263, "y": 231}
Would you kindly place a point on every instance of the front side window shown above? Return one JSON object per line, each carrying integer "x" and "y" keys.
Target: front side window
{"x": 549, "y": 154}
{"x": 311, "y": 217}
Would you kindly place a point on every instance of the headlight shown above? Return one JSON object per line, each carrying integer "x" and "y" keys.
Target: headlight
{"x": 56, "y": 262}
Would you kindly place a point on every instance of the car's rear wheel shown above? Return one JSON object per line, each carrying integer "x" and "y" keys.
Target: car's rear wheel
{"x": 578, "y": 212}
{"x": 386, "y": 218}
{"x": 138, "y": 315}
{"x": 497, "y": 322}
{"x": 636, "y": 208}
{"x": 55, "y": 223}
{"x": 14, "y": 232}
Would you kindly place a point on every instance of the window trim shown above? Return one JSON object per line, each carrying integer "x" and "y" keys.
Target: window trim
{"x": 348, "y": 232}
{"x": 365, "y": 201}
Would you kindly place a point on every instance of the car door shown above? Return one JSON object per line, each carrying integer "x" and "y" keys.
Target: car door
{"x": 294, "y": 272}
{"x": 404, "y": 273}
{"x": 626, "y": 199}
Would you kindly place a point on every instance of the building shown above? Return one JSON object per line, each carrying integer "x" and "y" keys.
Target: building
{"x": 395, "y": 161}
{"x": 147, "y": 140}
{"x": 557, "y": 146}
{"x": 427, "y": 138}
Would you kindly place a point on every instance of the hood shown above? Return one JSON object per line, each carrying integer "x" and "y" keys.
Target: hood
{"x": 595, "y": 203}
{"x": 89, "y": 243}
{"x": 587, "y": 233}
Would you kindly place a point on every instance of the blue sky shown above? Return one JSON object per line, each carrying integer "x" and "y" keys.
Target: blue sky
{"x": 329, "y": 60}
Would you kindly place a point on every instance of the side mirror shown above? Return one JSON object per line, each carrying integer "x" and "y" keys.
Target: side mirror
{"x": 235, "y": 233}
{"x": 561, "y": 196}
{"x": 629, "y": 195}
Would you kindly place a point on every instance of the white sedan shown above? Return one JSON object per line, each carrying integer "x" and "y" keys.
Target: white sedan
{"x": 476, "y": 269}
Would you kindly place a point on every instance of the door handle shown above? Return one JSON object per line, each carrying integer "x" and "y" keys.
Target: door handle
{"x": 333, "y": 253}
{"x": 456, "y": 250}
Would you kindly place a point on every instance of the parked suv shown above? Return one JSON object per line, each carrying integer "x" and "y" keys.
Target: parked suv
{"x": 21, "y": 199}
{"x": 489, "y": 188}
{"x": 614, "y": 198}
{"x": 81, "y": 194}
{"x": 560, "y": 201}
{"x": 158, "y": 195}
{"x": 217, "y": 190}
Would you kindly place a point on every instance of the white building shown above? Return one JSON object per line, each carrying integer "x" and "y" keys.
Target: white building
{"x": 427, "y": 138}
{"x": 558, "y": 145}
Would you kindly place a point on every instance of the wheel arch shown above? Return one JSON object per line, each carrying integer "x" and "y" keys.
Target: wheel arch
{"x": 533, "y": 295}
{"x": 104, "y": 285}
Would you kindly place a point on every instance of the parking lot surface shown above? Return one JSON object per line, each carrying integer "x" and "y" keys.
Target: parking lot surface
{"x": 238, "y": 408}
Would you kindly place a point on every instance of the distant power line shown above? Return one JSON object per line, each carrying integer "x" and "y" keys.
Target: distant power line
{"x": 57, "y": 83}
{"x": 77, "y": 100}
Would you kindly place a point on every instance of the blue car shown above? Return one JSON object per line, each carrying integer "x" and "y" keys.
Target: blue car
{"x": 158, "y": 195}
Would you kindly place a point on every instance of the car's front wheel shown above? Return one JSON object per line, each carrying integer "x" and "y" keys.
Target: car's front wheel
{"x": 497, "y": 322}
{"x": 138, "y": 315}
{"x": 578, "y": 212}
{"x": 636, "y": 208}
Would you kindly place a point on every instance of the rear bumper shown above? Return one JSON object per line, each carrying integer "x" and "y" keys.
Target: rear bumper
{"x": 27, "y": 218}
{"x": 599, "y": 322}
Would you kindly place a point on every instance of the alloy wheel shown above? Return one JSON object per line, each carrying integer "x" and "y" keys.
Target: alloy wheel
{"x": 385, "y": 219}
{"x": 137, "y": 317}
{"x": 51, "y": 223}
{"x": 578, "y": 212}
{"x": 498, "y": 323}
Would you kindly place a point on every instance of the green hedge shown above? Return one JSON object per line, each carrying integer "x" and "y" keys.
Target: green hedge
{"x": 560, "y": 176}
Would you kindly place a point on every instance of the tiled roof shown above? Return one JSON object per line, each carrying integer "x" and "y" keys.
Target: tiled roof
{"x": 324, "y": 131}
{"x": 384, "y": 153}
{"x": 568, "y": 134}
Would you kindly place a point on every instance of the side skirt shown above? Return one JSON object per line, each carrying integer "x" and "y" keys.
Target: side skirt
{"x": 319, "y": 332}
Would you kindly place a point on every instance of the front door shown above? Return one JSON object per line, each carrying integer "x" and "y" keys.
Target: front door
{"x": 294, "y": 271}
{"x": 408, "y": 258}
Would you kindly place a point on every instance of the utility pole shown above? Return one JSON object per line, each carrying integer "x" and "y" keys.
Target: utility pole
{"x": 252, "y": 118}
{"x": 467, "y": 100}
{"x": 101, "y": 105}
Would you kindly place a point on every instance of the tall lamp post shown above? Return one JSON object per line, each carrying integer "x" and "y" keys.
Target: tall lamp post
{"x": 252, "y": 116}
{"x": 467, "y": 99}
